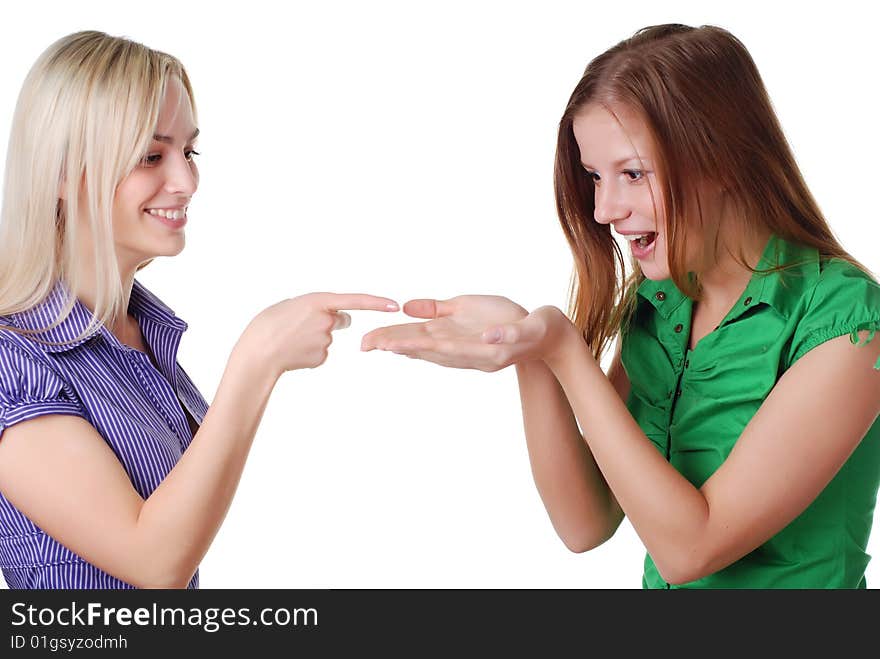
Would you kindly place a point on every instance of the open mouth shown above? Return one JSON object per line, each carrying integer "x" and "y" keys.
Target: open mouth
{"x": 644, "y": 240}
{"x": 168, "y": 214}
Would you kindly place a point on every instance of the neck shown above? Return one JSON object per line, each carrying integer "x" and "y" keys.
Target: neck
{"x": 724, "y": 281}
{"x": 85, "y": 289}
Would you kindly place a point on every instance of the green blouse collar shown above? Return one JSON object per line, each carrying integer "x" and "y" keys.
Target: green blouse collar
{"x": 780, "y": 289}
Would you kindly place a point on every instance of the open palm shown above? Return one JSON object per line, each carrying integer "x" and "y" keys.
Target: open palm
{"x": 463, "y": 332}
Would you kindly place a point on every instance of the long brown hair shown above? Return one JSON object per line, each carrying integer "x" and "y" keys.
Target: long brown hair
{"x": 707, "y": 111}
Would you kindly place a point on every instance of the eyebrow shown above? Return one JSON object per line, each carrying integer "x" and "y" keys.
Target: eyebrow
{"x": 168, "y": 139}
{"x": 620, "y": 162}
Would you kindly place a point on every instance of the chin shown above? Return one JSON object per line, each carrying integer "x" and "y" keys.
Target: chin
{"x": 654, "y": 272}
{"x": 145, "y": 255}
{"x": 169, "y": 248}
{"x": 177, "y": 250}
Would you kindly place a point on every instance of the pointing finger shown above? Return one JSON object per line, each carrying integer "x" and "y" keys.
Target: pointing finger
{"x": 339, "y": 301}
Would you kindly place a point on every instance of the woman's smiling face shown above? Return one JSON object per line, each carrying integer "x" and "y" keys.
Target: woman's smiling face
{"x": 149, "y": 207}
{"x": 617, "y": 154}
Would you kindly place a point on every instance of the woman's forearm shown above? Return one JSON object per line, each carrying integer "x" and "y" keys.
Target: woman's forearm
{"x": 178, "y": 522}
{"x": 665, "y": 509}
{"x": 571, "y": 486}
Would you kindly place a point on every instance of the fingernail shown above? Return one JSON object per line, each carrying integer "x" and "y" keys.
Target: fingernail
{"x": 392, "y": 306}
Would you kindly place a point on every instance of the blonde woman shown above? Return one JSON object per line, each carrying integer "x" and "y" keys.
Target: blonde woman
{"x": 114, "y": 471}
{"x": 737, "y": 425}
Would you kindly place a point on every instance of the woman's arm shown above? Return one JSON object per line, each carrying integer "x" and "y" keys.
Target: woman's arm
{"x": 802, "y": 434}
{"x": 62, "y": 475}
{"x": 800, "y": 437}
{"x": 581, "y": 507}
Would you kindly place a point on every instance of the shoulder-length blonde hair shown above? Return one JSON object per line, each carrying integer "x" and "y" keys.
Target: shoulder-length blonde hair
{"x": 84, "y": 119}
{"x": 710, "y": 119}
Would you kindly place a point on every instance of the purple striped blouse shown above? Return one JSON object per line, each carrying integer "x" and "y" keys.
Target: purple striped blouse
{"x": 134, "y": 406}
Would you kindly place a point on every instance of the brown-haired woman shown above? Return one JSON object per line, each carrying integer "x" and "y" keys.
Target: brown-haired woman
{"x": 736, "y": 424}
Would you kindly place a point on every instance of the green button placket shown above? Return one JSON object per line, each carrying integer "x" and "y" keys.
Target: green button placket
{"x": 675, "y": 331}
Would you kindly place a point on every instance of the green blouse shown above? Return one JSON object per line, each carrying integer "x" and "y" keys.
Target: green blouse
{"x": 694, "y": 404}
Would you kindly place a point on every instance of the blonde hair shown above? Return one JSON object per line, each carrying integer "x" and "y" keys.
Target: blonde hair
{"x": 85, "y": 117}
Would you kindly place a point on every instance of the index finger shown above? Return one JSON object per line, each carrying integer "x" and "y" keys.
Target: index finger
{"x": 340, "y": 301}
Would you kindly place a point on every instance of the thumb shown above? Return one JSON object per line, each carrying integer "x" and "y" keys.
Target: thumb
{"x": 341, "y": 320}
{"x": 427, "y": 308}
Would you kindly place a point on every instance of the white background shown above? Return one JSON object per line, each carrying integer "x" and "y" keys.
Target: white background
{"x": 406, "y": 150}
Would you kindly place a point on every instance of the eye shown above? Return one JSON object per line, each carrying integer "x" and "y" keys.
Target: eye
{"x": 593, "y": 176}
{"x": 634, "y": 174}
{"x": 151, "y": 159}
{"x": 190, "y": 154}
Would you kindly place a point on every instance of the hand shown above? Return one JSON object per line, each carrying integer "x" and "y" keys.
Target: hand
{"x": 297, "y": 333}
{"x": 481, "y": 332}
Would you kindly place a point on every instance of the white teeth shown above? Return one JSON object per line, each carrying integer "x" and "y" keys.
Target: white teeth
{"x": 169, "y": 213}
{"x": 635, "y": 236}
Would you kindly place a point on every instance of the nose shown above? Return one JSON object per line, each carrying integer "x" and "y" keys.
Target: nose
{"x": 610, "y": 204}
{"x": 182, "y": 177}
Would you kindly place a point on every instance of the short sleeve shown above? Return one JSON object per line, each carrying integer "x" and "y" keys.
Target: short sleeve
{"x": 29, "y": 389}
{"x": 845, "y": 301}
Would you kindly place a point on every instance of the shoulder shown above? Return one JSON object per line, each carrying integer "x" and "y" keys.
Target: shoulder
{"x": 840, "y": 272}
{"x": 13, "y": 342}
{"x": 844, "y": 300}
{"x": 842, "y": 293}
{"x": 31, "y": 384}
{"x": 22, "y": 359}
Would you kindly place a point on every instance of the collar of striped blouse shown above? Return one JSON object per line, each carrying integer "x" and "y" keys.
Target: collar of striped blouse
{"x": 143, "y": 305}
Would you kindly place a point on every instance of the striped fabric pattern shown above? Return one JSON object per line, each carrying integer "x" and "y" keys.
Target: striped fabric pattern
{"x": 135, "y": 406}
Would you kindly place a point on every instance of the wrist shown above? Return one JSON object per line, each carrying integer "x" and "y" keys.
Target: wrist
{"x": 254, "y": 356}
{"x": 247, "y": 381}
{"x": 562, "y": 337}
